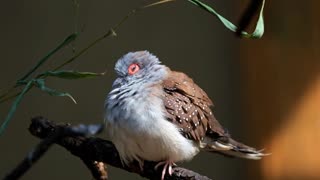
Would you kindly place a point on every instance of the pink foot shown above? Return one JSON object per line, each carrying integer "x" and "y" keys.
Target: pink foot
{"x": 166, "y": 165}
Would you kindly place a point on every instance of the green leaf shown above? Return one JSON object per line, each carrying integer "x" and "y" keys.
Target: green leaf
{"x": 258, "y": 32}
{"x": 40, "y": 83}
{"x": 69, "y": 39}
{"x": 15, "y": 105}
{"x": 72, "y": 74}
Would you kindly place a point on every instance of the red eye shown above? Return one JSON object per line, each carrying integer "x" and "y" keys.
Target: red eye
{"x": 133, "y": 68}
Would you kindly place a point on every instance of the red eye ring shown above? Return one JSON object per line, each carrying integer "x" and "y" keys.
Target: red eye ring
{"x": 133, "y": 68}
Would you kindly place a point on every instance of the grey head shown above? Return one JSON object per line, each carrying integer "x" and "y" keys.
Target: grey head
{"x": 137, "y": 72}
{"x": 145, "y": 69}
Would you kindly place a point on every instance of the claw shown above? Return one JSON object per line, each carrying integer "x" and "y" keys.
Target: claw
{"x": 166, "y": 165}
{"x": 141, "y": 164}
{"x": 170, "y": 169}
{"x": 159, "y": 164}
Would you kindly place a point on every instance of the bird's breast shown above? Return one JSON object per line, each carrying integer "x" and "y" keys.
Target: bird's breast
{"x": 140, "y": 130}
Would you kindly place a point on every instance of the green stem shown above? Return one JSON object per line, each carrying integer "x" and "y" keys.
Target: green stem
{"x": 4, "y": 99}
{"x": 69, "y": 39}
{"x": 83, "y": 51}
{"x": 110, "y": 32}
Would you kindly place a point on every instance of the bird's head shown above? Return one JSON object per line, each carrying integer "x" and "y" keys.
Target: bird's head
{"x": 139, "y": 67}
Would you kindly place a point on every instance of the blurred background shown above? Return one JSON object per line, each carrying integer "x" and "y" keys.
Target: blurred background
{"x": 266, "y": 92}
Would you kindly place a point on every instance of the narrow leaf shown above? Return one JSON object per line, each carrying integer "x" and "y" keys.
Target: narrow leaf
{"x": 72, "y": 74}
{"x": 69, "y": 39}
{"x": 156, "y": 3}
{"x": 40, "y": 83}
{"x": 14, "y": 106}
{"x": 258, "y": 32}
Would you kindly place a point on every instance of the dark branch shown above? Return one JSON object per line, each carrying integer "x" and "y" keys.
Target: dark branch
{"x": 33, "y": 156}
{"x": 94, "y": 152}
{"x": 52, "y": 135}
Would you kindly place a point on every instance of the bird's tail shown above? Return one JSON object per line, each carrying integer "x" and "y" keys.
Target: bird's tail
{"x": 229, "y": 147}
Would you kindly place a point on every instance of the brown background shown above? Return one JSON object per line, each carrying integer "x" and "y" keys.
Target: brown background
{"x": 266, "y": 92}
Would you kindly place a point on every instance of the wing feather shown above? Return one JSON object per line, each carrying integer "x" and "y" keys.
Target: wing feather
{"x": 188, "y": 106}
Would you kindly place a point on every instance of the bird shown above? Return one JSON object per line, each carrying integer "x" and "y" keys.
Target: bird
{"x": 156, "y": 114}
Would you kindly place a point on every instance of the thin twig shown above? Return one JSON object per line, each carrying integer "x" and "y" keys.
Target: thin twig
{"x": 110, "y": 32}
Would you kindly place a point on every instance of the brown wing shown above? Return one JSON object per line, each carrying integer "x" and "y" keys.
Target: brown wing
{"x": 188, "y": 106}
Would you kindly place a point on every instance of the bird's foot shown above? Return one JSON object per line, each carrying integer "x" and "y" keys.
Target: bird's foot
{"x": 141, "y": 165}
{"x": 166, "y": 165}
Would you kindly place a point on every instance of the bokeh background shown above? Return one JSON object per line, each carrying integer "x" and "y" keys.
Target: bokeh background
{"x": 266, "y": 91}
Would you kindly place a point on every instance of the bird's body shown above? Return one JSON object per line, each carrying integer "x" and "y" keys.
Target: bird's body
{"x": 155, "y": 114}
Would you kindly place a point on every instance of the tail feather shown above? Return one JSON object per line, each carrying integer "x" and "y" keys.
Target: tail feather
{"x": 232, "y": 148}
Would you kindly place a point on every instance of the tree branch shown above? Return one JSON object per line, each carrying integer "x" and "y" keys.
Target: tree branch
{"x": 94, "y": 152}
